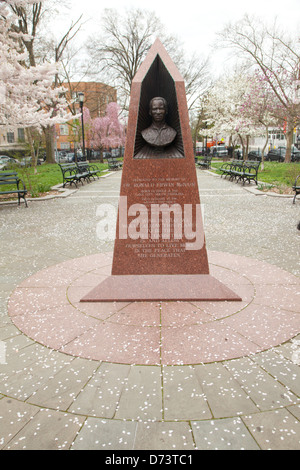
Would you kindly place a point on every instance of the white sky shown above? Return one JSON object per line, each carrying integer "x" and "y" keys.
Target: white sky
{"x": 195, "y": 22}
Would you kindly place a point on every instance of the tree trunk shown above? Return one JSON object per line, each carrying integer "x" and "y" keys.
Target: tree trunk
{"x": 243, "y": 147}
{"x": 247, "y": 147}
{"x": 50, "y": 144}
{"x": 263, "y": 149}
{"x": 289, "y": 142}
{"x": 32, "y": 149}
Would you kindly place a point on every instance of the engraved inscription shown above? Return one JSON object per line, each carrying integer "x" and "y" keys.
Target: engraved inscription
{"x": 161, "y": 236}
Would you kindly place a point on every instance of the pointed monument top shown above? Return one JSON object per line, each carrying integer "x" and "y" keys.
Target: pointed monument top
{"x": 158, "y": 49}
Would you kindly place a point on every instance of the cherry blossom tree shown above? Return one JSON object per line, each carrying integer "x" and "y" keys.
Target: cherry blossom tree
{"x": 276, "y": 57}
{"x": 28, "y": 98}
{"x": 224, "y": 108}
{"x": 258, "y": 106}
{"x": 108, "y": 131}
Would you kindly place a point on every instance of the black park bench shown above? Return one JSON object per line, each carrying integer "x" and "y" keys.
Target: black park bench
{"x": 204, "y": 162}
{"x": 296, "y": 188}
{"x": 10, "y": 183}
{"x": 227, "y": 167}
{"x": 78, "y": 172}
{"x": 114, "y": 163}
{"x": 71, "y": 174}
{"x": 241, "y": 170}
{"x": 88, "y": 168}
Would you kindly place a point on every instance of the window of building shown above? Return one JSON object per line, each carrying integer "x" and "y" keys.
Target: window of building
{"x": 21, "y": 135}
{"x": 64, "y": 129}
{"x": 65, "y": 146}
{"x": 10, "y": 137}
{"x": 276, "y": 135}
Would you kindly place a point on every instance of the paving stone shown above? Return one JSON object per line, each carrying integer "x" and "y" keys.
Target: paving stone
{"x": 14, "y": 415}
{"x": 164, "y": 435}
{"x": 100, "y": 397}
{"x": 225, "y": 434}
{"x": 21, "y": 352}
{"x": 184, "y": 398}
{"x": 8, "y": 331}
{"x": 285, "y": 371}
{"x": 141, "y": 399}
{"x": 263, "y": 389}
{"x": 48, "y": 430}
{"x": 26, "y": 371}
{"x": 17, "y": 343}
{"x": 99, "y": 434}
{"x": 295, "y": 410}
{"x": 275, "y": 430}
{"x": 224, "y": 394}
{"x": 61, "y": 390}
{"x": 290, "y": 350}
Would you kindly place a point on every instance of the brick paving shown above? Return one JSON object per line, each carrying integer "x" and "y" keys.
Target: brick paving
{"x": 54, "y": 397}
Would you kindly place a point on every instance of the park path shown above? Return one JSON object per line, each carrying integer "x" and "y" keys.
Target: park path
{"x": 52, "y": 400}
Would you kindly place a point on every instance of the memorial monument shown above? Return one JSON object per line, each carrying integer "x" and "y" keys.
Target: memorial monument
{"x": 160, "y": 251}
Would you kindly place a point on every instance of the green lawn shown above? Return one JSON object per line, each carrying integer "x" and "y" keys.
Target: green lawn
{"x": 46, "y": 177}
{"x": 275, "y": 174}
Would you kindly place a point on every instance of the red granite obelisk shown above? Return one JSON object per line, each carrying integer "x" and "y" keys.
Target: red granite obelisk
{"x": 160, "y": 251}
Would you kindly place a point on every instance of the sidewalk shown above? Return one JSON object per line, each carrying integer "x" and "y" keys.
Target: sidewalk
{"x": 63, "y": 387}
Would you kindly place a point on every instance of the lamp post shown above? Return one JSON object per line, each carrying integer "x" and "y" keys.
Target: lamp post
{"x": 81, "y": 101}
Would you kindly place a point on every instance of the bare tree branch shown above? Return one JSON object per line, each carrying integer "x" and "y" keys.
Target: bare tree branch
{"x": 119, "y": 51}
{"x": 277, "y": 58}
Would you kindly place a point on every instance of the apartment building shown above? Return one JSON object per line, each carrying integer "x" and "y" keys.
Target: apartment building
{"x": 12, "y": 141}
{"x": 97, "y": 95}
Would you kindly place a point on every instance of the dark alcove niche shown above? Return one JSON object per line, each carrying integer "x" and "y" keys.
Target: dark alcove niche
{"x": 158, "y": 82}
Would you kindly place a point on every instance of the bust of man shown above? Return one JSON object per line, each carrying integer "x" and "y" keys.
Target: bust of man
{"x": 159, "y": 134}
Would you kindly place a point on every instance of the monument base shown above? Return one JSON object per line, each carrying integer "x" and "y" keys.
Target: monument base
{"x": 123, "y": 288}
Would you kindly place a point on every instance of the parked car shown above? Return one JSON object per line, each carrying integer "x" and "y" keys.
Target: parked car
{"x": 219, "y": 151}
{"x": 254, "y": 155}
{"x": 3, "y": 161}
{"x": 279, "y": 154}
{"x": 276, "y": 155}
{"x": 70, "y": 157}
{"x": 296, "y": 156}
{"x": 61, "y": 156}
{"x": 27, "y": 161}
{"x": 7, "y": 163}
{"x": 94, "y": 155}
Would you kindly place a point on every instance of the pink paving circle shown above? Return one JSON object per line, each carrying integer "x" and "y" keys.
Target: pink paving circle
{"x": 46, "y": 307}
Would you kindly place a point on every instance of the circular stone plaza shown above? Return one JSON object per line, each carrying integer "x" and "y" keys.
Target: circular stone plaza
{"x": 149, "y": 375}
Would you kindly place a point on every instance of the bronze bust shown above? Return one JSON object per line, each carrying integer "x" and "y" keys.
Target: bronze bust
{"x": 158, "y": 137}
{"x": 159, "y": 134}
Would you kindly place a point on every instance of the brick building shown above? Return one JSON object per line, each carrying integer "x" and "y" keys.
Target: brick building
{"x": 11, "y": 141}
{"x": 96, "y": 97}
